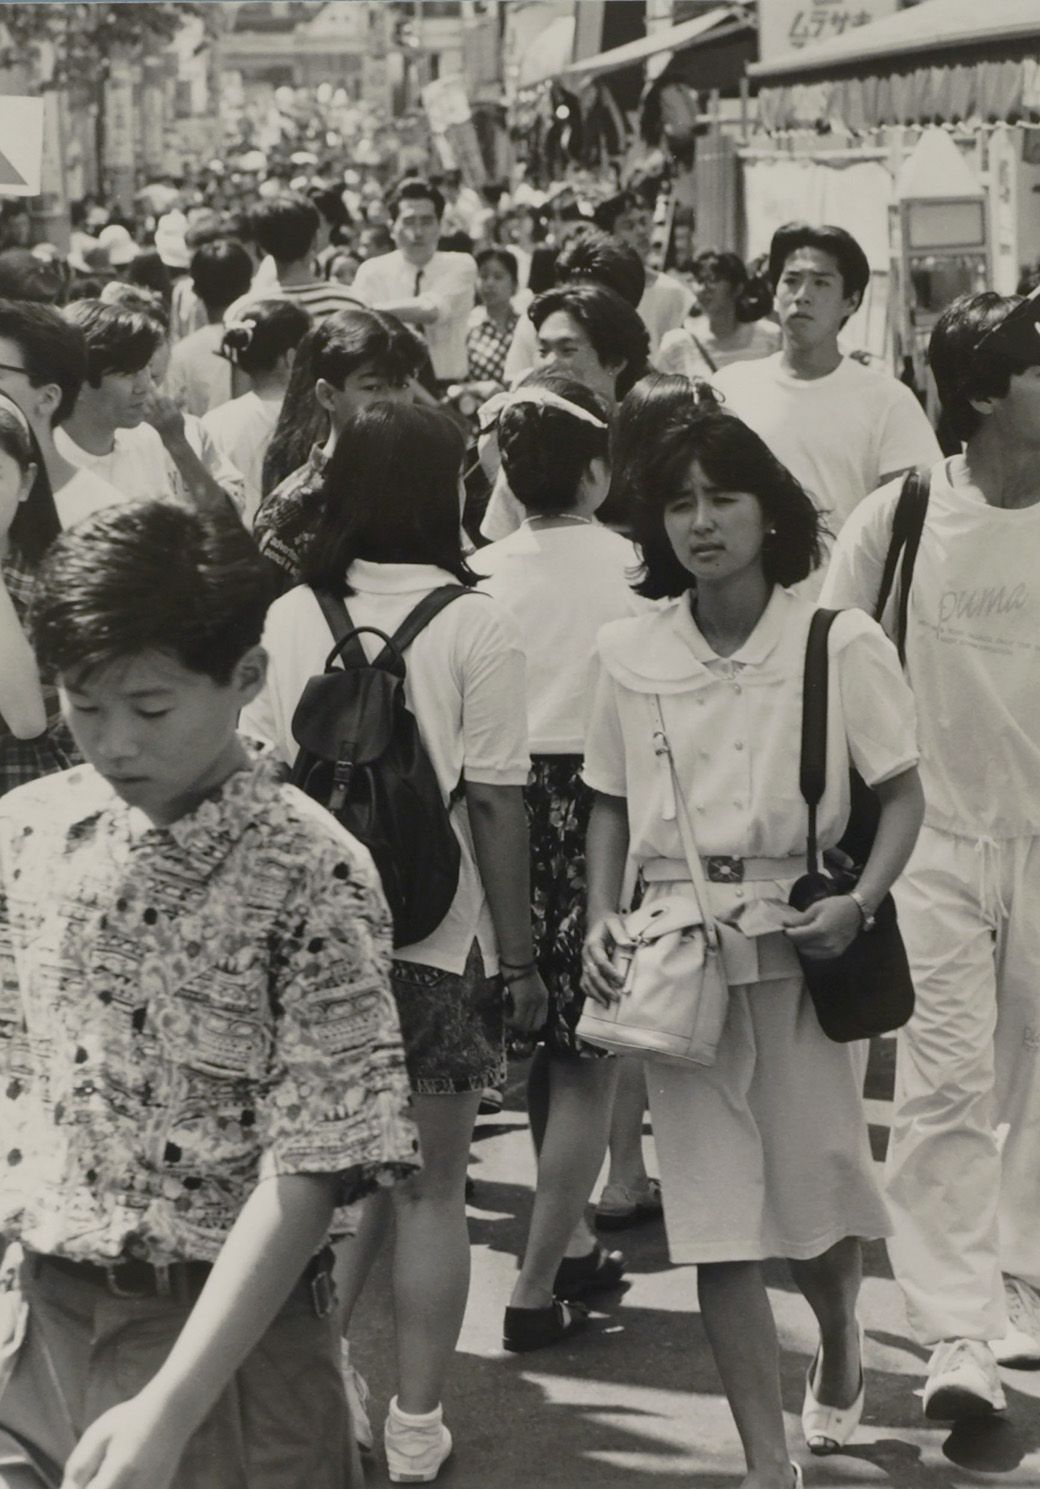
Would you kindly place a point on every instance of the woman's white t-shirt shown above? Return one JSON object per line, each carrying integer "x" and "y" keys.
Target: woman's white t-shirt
{"x": 241, "y": 431}
{"x": 465, "y": 686}
{"x": 560, "y": 584}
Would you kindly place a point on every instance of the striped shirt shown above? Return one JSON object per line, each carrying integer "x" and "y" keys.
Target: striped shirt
{"x": 319, "y": 297}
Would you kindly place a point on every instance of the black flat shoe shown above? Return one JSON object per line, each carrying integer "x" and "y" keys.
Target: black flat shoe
{"x": 533, "y": 1328}
{"x": 598, "y": 1271}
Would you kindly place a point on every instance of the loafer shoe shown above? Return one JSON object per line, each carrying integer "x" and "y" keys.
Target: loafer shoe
{"x": 534, "y": 1328}
{"x": 963, "y": 1381}
{"x": 597, "y": 1272}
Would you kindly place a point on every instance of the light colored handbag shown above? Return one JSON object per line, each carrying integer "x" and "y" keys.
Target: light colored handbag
{"x": 673, "y": 1003}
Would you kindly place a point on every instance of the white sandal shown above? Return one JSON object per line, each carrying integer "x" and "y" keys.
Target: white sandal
{"x": 828, "y": 1428}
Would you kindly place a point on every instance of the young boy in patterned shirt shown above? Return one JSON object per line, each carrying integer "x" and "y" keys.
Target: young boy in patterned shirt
{"x": 200, "y": 1058}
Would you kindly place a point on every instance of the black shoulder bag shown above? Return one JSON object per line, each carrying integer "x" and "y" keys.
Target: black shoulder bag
{"x": 867, "y": 990}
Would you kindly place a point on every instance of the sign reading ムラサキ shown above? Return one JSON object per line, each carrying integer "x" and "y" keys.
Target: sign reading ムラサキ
{"x": 789, "y": 25}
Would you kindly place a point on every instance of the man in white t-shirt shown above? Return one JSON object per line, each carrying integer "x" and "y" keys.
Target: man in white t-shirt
{"x": 106, "y": 432}
{"x": 965, "y": 1203}
{"x": 430, "y": 291}
{"x": 43, "y": 362}
{"x": 665, "y": 301}
{"x": 841, "y": 428}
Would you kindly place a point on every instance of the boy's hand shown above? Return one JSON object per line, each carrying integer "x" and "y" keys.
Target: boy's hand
{"x": 135, "y": 1445}
{"x": 164, "y": 416}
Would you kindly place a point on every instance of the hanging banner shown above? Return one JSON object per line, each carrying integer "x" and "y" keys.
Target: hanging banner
{"x": 790, "y": 25}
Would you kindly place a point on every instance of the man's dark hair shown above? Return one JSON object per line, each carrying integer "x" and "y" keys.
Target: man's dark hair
{"x": 962, "y": 369}
{"x": 382, "y": 239}
{"x": 736, "y": 459}
{"x": 52, "y": 349}
{"x": 607, "y": 213}
{"x": 546, "y": 451}
{"x": 615, "y": 330}
{"x": 23, "y": 276}
{"x": 400, "y": 463}
{"x": 149, "y": 576}
{"x": 286, "y": 226}
{"x": 416, "y": 190}
{"x": 221, "y": 271}
{"x": 835, "y": 241}
{"x": 119, "y": 339}
{"x": 592, "y": 255}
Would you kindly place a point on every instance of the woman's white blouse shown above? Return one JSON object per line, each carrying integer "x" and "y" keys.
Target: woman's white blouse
{"x": 734, "y": 725}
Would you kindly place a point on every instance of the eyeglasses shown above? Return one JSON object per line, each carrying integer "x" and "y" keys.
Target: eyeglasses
{"x": 10, "y": 367}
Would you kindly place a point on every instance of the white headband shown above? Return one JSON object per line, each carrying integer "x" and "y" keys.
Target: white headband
{"x": 490, "y": 412}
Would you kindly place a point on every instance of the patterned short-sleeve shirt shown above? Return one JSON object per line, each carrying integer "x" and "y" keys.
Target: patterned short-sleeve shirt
{"x": 286, "y": 516}
{"x": 185, "y": 1012}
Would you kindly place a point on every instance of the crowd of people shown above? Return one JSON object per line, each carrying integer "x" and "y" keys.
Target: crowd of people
{"x": 366, "y": 653}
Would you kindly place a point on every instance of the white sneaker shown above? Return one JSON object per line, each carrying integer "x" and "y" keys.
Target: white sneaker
{"x": 416, "y": 1446}
{"x": 962, "y": 1381}
{"x": 355, "y": 1388}
{"x": 1020, "y": 1346}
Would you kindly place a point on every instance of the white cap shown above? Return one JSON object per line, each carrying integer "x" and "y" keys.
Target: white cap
{"x": 169, "y": 240}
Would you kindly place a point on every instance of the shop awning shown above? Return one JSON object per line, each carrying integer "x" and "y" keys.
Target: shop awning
{"x": 933, "y": 26}
{"x": 721, "y": 21}
{"x": 548, "y": 55}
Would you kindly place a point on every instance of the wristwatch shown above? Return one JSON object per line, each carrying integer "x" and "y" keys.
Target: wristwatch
{"x": 869, "y": 918}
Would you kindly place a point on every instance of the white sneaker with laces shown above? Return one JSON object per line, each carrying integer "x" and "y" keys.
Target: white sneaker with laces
{"x": 962, "y": 1381}
{"x": 1020, "y": 1346}
{"x": 355, "y": 1387}
{"x": 416, "y": 1446}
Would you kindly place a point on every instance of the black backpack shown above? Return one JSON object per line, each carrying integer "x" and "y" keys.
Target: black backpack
{"x": 362, "y": 757}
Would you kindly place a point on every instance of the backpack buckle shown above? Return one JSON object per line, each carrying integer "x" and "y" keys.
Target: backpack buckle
{"x": 342, "y": 772}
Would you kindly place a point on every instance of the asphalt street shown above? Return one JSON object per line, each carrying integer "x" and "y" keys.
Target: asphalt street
{"x": 634, "y": 1401}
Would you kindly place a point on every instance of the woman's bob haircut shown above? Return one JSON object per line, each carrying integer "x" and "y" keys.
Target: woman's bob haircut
{"x": 734, "y": 458}
{"x": 391, "y": 495}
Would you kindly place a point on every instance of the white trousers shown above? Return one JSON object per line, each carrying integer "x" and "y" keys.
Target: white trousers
{"x": 964, "y": 1194}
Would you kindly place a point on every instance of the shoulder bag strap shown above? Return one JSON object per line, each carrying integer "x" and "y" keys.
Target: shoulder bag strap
{"x": 418, "y": 619}
{"x": 705, "y": 354}
{"x": 815, "y": 690}
{"x": 348, "y": 648}
{"x": 689, "y": 843}
{"x": 907, "y": 526}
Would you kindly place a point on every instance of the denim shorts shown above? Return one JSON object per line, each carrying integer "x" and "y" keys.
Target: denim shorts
{"x": 453, "y": 1026}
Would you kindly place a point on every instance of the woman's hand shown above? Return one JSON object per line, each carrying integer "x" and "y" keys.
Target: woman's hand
{"x": 827, "y": 928}
{"x": 602, "y": 981}
{"x": 527, "y": 1003}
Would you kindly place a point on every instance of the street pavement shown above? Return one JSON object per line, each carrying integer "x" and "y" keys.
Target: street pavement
{"x": 634, "y": 1400}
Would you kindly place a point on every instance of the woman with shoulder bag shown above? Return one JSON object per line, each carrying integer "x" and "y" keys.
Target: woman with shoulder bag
{"x": 765, "y": 1152}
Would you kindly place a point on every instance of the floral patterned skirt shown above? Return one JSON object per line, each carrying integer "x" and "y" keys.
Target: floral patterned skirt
{"x": 558, "y": 805}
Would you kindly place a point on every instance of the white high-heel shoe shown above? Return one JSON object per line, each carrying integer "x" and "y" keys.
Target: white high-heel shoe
{"x": 798, "y": 1481}
{"x": 828, "y": 1428}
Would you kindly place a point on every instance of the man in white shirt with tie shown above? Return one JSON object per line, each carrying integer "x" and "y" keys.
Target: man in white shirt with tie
{"x": 430, "y": 291}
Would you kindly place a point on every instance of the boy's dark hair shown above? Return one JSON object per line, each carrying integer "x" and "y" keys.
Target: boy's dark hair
{"x": 546, "y": 451}
{"x": 52, "y": 349}
{"x": 416, "y": 190}
{"x": 286, "y": 226}
{"x": 119, "y": 340}
{"x": 615, "y": 330}
{"x": 592, "y": 255}
{"x": 149, "y": 576}
{"x": 23, "y": 276}
{"x": 962, "y": 369}
{"x": 731, "y": 455}
{"x": 835, "y": 241}
{"x": 221, "y": 271}
{"x": 381, "y": 236}
{"x": 391, "y": 495}
{"x": 263, "y": 333}
{"x": 501, "y": 256}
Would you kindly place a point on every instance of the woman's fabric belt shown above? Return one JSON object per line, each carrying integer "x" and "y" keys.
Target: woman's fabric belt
{"x": 720, "y": 869}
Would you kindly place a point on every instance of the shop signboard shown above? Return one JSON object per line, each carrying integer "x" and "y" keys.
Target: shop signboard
{"x": 21, "y": 146}
{"x": 790, "y": 25}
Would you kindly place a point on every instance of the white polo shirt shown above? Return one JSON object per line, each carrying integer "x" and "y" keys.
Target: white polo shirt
{"x": 465, "y": 686}
{"x": 447, "y": 284}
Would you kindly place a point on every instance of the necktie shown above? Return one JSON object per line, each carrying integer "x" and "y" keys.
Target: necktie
{"x": 418, "y": 281}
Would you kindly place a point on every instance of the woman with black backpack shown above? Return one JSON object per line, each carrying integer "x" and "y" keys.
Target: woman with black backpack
{"x": 377, "y": 558}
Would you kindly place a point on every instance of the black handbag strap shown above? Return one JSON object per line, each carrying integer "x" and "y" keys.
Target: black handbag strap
{"x": 346, "y": 635}
{"x": 907, "y": 527}
{"x": 815, "y": 691}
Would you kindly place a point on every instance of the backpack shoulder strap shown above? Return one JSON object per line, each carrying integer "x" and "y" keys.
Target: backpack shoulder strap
{"x": 418, "y": 619}
{"x": 348, "y": 647}
{"x": 815, "y": 689}
{"x": 907, "y": 526}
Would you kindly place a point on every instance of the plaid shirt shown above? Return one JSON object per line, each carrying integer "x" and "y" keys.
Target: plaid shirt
{"x": 282, "y": 525}
{"x": 186, "y": 1011}
{"x": 24, "y": 760}
{"x": 487, "y": 348}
